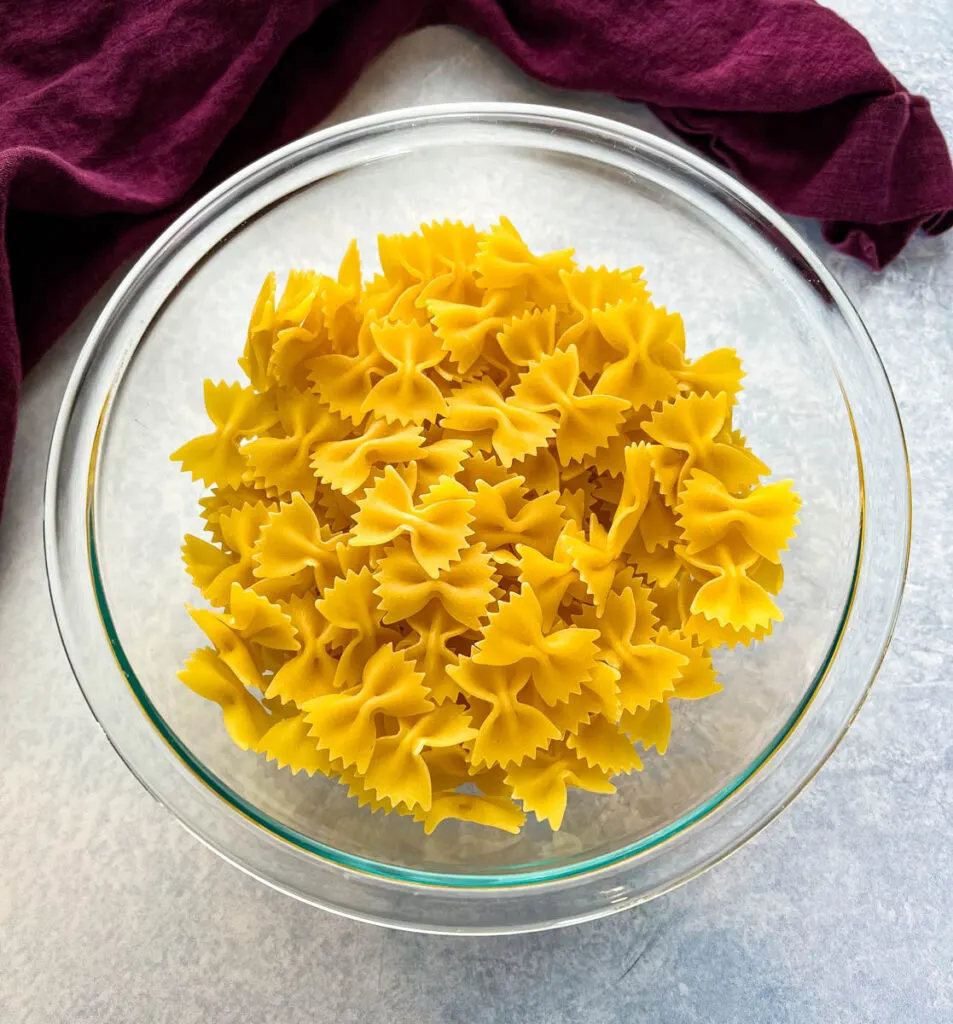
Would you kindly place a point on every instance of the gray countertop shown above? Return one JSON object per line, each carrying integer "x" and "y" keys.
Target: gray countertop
{"x": 841, "y": 910}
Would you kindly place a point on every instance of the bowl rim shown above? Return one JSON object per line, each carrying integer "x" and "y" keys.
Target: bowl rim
{"x": 600, "y": 130}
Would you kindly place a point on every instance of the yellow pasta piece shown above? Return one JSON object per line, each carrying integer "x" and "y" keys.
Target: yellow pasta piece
{"x": 589, "y": 291}
{"x": 405, "y": 393}
{"x": 294, "y": 350}
{"x": 344, "y": 723}
{"x": 492, "y": 806}
{"x": 241, "y": 528}
{"x": 665, "y": 601}
{"x": 354, "y": 559}
{"x": 560, "y": 661}
{"x": 660, "y": 566}
{"x": 512, "y": 431}
{"x": 291, "y": 540}
{"x": 636, "y": 493}
{"x": 311, "y": 671}
{"x": 406, "y": 260}
{"x": 651, "y": 342}
{"x": 342, "y": 380}
{"x": 596, "y": 557}
{"x": 714, "y": 372}
{"x": 647, "y": 669}
{"x": 454, "y": 248}
{"x": 764, "y": 518}
{"x": 526, "y": 339}
{"x": 236, "y": 413}
{"x": 445, "y": 457}
{"x": 603, "y": 686}
{"x": 599, "y": 695}
{"x": 591, "y": 558}
{"x": 502, "y": 516}
{"x": 282, "y": 589}
{"x": 473, "y": 528}
{"x": 358, "y": 790}
{"x": 380, "y": 297}
{"x": 667, "y": 466}
{"x": 341, "y": 301}
{"x": 494, "y": 811}
{"x": 696, "y": 678}
{"x": 577, "y": 505}
{"x": 214, "y": 570}
{"x": 569, "y": 715}
{"x": 429, "y": 646}
{"x": 541, "y": 784}
{"x": 438, "y": 525}
{"x": 210, "y": 677}
{"x": 434, "y": 262}
{"x": 712, "y": 634}
{"x": 609, "y": 460}
{"x": 205, "y": 563}
{"x": 283, "y": 463}
{"x": 586, "y": 421}
{"x": 289, "y": 743}
{"x": 689, "y": 426}
{"x": 351, "y": 605}
{"x": 297, "y": 299}
{"x": 255, "y": 618}
{"x": 511, "y": 729}
{"x": 657, "y": 524}
{"x": 651, "y": 726}
{"x": 449, "y": 769}
{"x": 464, "y": 588}
{"x": 397, "y": 769}
{"x": 603, "y": 745}
{"x": 732, "y": 598}
{"x": 222, "y": 500}
{"x": 465, "y": 330}
{"x": 478, "y": 466}
{"x": 547, "y": 578}
{"x": 348, "y": 463}
{"x": 627, "y": 582}
{"x": 261, "y": 337}
{"x": 767, "y": 574}
{"x": 233, "y": 650}
{"x": 300, "y": 332}
{"x": 333, "y": 508}
{"x": 505, "y": 263}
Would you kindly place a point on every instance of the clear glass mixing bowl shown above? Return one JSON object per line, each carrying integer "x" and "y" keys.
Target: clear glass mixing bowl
{"x": 816, "y": 407}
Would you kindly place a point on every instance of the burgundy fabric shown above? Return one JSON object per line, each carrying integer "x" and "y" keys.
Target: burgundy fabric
{"x": 115, "y": 115}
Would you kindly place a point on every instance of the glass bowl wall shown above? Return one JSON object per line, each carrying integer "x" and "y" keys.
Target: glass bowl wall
{"x": 816, "y": 408}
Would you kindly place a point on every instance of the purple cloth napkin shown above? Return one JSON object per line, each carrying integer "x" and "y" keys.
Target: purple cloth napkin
{"x": 115, "y": 116}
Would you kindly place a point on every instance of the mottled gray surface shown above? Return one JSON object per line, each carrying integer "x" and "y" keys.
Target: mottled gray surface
{"x": 842, "y": 910}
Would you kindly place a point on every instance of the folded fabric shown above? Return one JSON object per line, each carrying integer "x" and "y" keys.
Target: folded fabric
{"x": 113, "y": 117}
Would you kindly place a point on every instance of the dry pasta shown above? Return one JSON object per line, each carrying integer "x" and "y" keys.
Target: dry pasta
{"x": 474, "y": 527}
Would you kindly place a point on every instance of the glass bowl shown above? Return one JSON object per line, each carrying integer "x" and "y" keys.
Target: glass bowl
{"x": 817, "y": 407}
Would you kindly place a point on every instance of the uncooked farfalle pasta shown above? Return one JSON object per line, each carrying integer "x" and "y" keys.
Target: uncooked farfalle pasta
{"x": 473, "y": 527}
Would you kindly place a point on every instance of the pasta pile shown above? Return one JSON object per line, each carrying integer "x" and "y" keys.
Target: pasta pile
{"x": 473, "y": 526}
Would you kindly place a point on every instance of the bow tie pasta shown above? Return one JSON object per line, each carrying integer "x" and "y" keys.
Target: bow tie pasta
{"x": 474, "y": 527}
